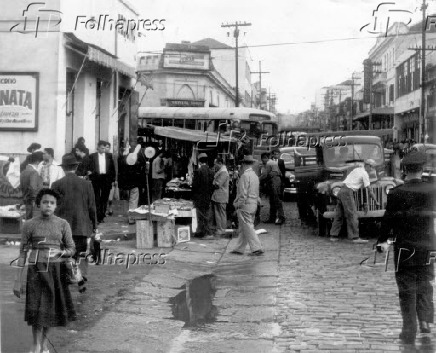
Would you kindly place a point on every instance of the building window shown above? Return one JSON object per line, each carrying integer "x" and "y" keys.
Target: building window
{"x": 178, "y": 123}
{"x": 190, "y": 124}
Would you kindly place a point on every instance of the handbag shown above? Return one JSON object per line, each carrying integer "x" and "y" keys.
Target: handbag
{"x": 19, "y": 284}
{"x": 73, "y": 273}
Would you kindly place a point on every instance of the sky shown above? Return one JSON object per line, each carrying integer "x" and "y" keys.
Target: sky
{"x": 305, "y": 45}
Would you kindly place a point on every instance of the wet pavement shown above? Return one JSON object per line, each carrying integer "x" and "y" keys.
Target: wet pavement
{"x": 305, "y": 294}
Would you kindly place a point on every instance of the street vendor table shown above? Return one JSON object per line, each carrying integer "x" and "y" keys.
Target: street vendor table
{"x": 178, "y": 189}
{"x": 10, "y": 220}
{"x": 163, "y": 217}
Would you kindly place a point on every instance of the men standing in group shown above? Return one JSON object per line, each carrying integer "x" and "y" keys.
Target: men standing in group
{"x": 31, "y": 182}
{"x": 77, "y": 206}
{"x": 158, "y": 175}
{"x": 201, "y": 194}
{"x": 346, "y": 206}
{"x": 245, "y": 203}
{"x": 49, "y": 170}
{"x": 220, "y": 196}
{"x": 101, "y": 171}
{"x": 409, "y": 217}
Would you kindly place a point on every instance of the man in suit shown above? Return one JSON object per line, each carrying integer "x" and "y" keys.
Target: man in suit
{"x": 220, "y": 197}
{"x": 101, "y": 172}
{"x": 201, "y": 194}
{"x": 77, "y": 206}
{"x": 31, "y": 183}
{"x": 274, "y": 177}
{"x": 409, "y": 217}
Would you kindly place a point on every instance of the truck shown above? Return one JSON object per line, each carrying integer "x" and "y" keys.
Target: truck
{"x": 320, "y": 181}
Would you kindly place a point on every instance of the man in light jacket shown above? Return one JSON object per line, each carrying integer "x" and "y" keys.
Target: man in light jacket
{"x": 220, "y": 197}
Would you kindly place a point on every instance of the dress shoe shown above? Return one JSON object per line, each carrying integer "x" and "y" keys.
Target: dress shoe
{"x": 407, "y": 338}
{"x": 424, "y": 326}
{"x": 235, "y": 252}
{"x": 256, "y": 253}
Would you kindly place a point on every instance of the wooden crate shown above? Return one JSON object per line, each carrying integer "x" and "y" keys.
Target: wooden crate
{"x": 164, "y": 227}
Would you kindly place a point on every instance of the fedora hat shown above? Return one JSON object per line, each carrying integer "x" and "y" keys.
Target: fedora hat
{"x": 69, "y": 159}
{"x": 202, "y": 155}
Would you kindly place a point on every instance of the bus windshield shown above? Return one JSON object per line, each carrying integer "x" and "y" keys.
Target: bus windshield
{"x": 340, "y": 155}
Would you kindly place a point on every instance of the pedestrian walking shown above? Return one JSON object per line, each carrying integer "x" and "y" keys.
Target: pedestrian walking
{"x": 201, "y": 195}
{"x": 31, "y": 183}
{"x": 49, "y": 170}
{"x": 77, "y": 206}
{"x": 409, "y": 219}
{"x": 83, "y": 160}
{"x": 48, "y": 299}
{"x": 101, "y": 172}
{"x": 346, "y": 206}
{"x": 220, "y": 197}
{"x": 246, "y": 202}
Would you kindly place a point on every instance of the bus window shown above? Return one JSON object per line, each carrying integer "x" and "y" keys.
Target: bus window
{"x": 200, "y": 125}
{"x": 221, "y": 125}
{"x": 178, "y": 123}
{"x": 210, "y": 126}
{"x": 156, "y": 122}
{"x": 167, "y": 122}
{"x": 252, "y": 128}
{"x": 190, "y": 124}
{"x": 268, "y": 129}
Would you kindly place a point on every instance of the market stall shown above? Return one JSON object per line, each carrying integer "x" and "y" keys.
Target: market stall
{"x": 173, "y": 220}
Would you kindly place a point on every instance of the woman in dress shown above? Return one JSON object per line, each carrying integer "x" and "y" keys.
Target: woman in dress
{"x": 48, "y": 299}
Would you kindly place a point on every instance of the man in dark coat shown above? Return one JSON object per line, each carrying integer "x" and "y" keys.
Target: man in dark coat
{"x": 101, "y": 172}
{"x": 31, "y": 183}
{"x": 409, "y": 216}
{"x": 202, "y": 189}
{"x": 77, "y": 206}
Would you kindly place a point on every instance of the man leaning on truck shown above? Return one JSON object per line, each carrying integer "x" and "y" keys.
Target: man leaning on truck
{"x": 346, "y": 206}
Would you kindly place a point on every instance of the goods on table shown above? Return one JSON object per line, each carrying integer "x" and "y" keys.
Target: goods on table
{"x": 178, "y": 184}
{"x": 181, "y": 205}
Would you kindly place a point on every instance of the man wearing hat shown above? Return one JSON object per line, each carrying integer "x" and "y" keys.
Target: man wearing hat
{"x": 202, "y": 189}
{"x": 34, "y": 147}
{"x": 346, "y": 207}
{"x": 245, "y": 204}
{"x": 77, "y": 206}
{"x": 409, "y": 219}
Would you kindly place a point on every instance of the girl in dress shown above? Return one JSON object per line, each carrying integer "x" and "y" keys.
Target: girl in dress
{"x": 48, "y": 299}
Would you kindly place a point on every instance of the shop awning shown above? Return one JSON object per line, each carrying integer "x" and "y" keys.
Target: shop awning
{"x": 189, "y": 135}
{"x": 375, "y": 111}
{"x": 106, "y": 60}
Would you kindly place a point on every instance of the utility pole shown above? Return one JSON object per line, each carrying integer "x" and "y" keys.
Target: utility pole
{"x": 352, "y": 84}
{"x": 422, "y": 125}
{"x": 260, "y": 72}
{"x": 236, "y": 35}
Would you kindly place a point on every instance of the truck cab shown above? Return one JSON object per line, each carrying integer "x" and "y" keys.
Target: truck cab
{"x": 334, "y": 162}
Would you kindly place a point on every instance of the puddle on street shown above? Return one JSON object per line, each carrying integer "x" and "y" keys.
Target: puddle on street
{"x": 194, "y": 304}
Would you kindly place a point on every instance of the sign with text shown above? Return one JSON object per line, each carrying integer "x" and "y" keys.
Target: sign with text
{"x": 186, "y": 60}
{"x": 19, "y": 100}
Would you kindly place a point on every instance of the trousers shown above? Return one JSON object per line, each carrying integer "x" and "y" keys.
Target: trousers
{"x": 346, "y": 207}
{"x": 219, "y": 210}
{"x": 415, "y": 295}
{"x": 246, "y": 232}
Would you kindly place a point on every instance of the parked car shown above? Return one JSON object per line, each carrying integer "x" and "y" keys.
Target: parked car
{"x": 289, "y": 154}
{"x": 323, "y": 179}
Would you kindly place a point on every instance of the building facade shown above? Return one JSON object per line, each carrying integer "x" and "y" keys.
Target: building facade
{"x": 183, "y": 76}
{"x": 76, "y": 80}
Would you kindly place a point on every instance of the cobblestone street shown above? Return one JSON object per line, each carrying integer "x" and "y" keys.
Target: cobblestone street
{"x": 329, "y": 301}
{"x": 304, "y": 295}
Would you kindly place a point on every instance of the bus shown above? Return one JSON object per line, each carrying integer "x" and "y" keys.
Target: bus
{"x": 253, "y": 122}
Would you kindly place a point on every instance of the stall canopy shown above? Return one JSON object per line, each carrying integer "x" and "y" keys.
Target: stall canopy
{"x": 190, "y": 135}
